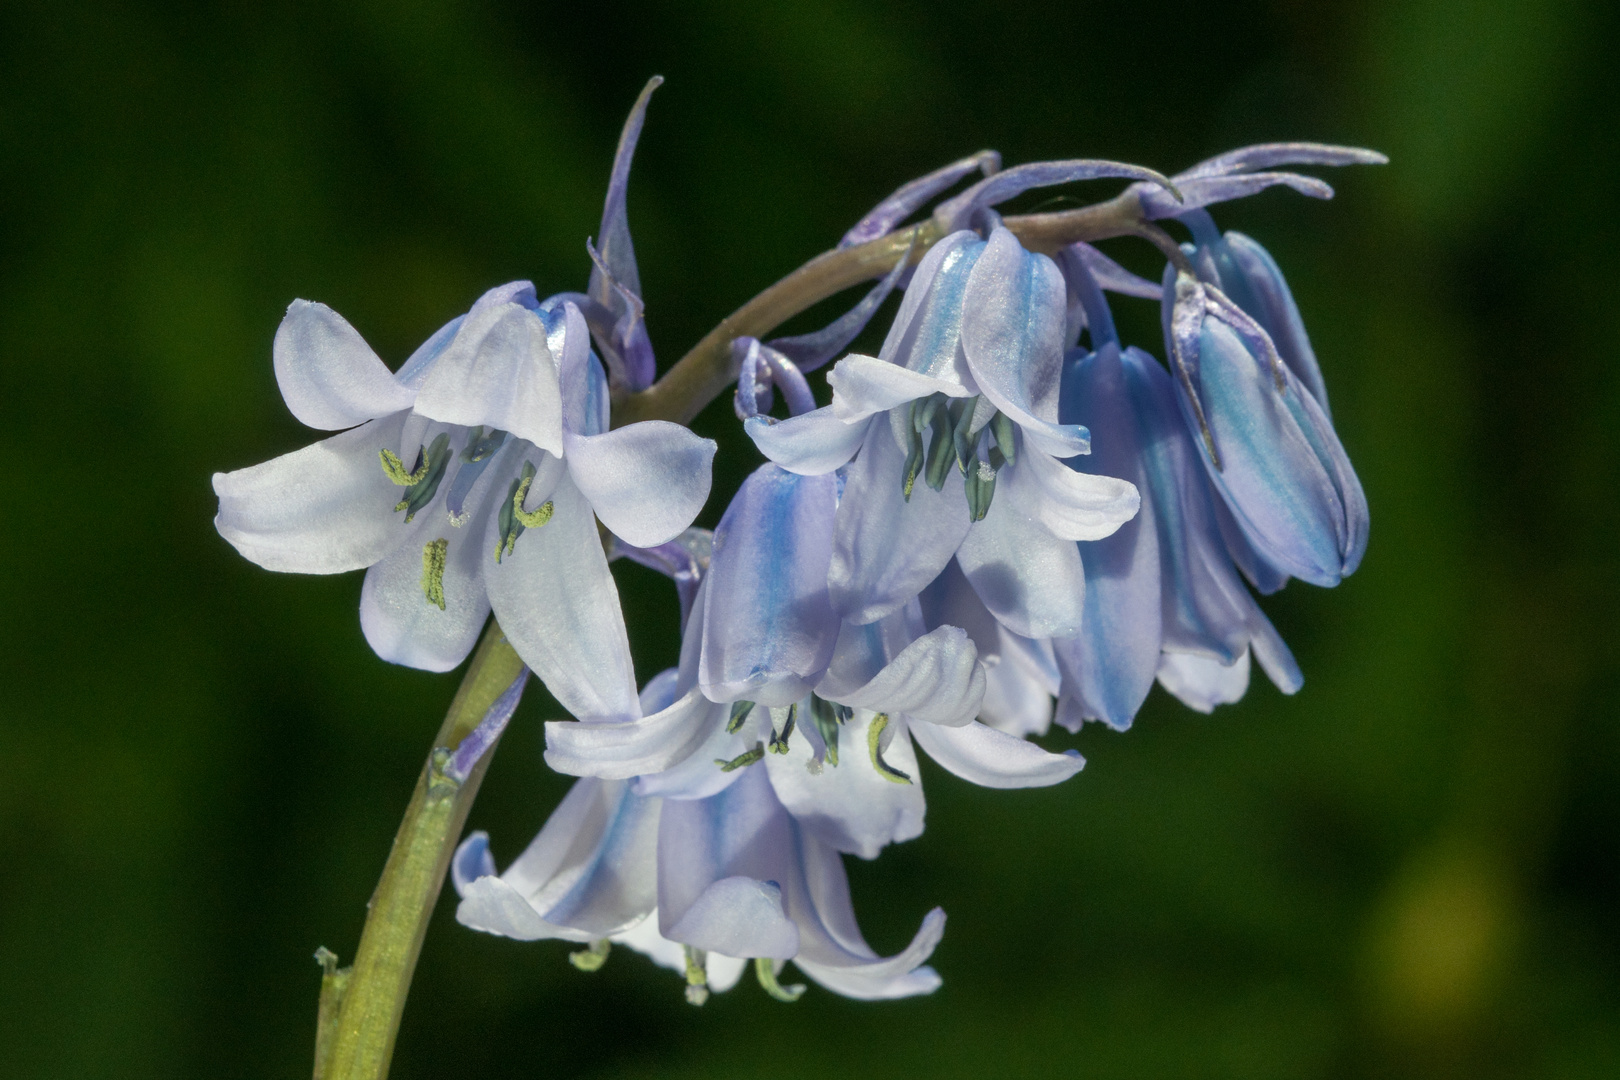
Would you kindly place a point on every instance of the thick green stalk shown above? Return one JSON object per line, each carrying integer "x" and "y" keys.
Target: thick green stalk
{"x": 359, "y": 1042}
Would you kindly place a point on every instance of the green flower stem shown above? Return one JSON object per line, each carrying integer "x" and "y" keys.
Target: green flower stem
{"x": 708, "y": 371}
{"x": 361, "y": 1006}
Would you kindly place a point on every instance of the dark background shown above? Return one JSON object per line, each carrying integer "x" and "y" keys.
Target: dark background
{"x": 1410, "y": 869}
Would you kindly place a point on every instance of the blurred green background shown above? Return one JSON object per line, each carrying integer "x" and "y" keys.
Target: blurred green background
{"x": 1410, "y": 869}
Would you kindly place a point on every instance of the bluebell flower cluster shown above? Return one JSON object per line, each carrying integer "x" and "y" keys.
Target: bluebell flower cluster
{"x": 1005, "y": 518}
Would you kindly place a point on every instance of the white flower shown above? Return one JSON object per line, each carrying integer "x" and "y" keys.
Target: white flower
{"x": 470, "y": 479}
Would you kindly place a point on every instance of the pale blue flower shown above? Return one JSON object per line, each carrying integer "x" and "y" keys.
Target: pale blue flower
{"x": 1267, "y": 444}
{"x": 770, "y": 674}
{"x": 701, "y": 885}
{"x": 1163, "y": 598}
{"x": 955, "y": 444}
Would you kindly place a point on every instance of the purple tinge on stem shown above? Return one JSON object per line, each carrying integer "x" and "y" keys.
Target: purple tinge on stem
{"x": 482, "y": 737}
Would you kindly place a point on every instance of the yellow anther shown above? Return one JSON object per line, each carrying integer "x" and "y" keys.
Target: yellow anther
{"x": 874, "y": 736}
{"x": 433, "y": 559}
{"x": 531, "y": 519}
{"x": 592, "y": 957}
{"x": 397, "y": 472}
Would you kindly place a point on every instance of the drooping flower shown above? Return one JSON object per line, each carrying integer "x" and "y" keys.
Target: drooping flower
{"x": 473, "y": 478}
{"x": 703, "y": 886}
{"x": 1267, "y": 444}
{"x": 1163, "y": 598}
{"x": 968, "y": 377}
{"x": 769, "y": 674}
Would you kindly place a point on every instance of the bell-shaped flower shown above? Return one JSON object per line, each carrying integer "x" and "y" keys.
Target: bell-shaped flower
{"x": 739, "y": 875}
{"x": 1252, "y": 280}
{"x": 471, "y": 479}
{"x": 966, "y": 380}
{"x": 702, "y": 886}
{"x": 1267, "y": 444}
{"x": 1162, "y": 592}
{"x": 768, "y": 673}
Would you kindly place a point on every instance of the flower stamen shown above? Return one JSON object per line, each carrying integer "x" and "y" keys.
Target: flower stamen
{"x": 434, "y": 554}
{"x": 765, "y": 972}
{"x": 593, "y": 956}
{"x": 874, "y": 738}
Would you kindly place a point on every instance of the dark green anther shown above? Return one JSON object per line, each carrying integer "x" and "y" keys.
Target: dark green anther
{"x": 923, "y": 410}
{"x": 1001, "y": 426}
{"x": 765, "y": 972}
{"x": 960, "y": 435}
{"x": 939, "y": 453}
{"x": 743, "y": 760}
{"x": 739, "y": 713}
{"x": 825, "y": 718}
{"x": 980, "y": 486}
{"x": 874, "y": 737}
{"x": 779, "y": 743}
{"x": 592, "y": 957}
{"x": 481, "y": 444}
{"x": 434, "y": 460}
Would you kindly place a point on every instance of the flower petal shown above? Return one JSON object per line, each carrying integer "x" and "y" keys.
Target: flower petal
{"x": 810, "y": 444}
{"x": 769, "y": 628}
{"x": 624, "y": 749}
{"x": 646, "y": 481}
{"x": 926, "y": 336}
{"x": 850, "y": 805}
{"x": 1272, "y": 475}
{"x": 558, "y": 606}
{"x": 831, "y": 948}
{"x": 1202, "y": 683}
{"x": 321, "y": 510}
{"x": 1109, "y": 668}
{"x": 863, "y": 385}
{"x": 1018, "y": 688}
{"x": 741, "y": 832}
{"x": 1114, "y": 277}
{"x": 1012, "y": 336}
{"x": 741, "y": 917}
{"x": 1030, "y": 580}
{"x": 589, "y": 873}
{"x": 497, "y": 372}
{"x": 328, "y": 375}
{"x": 698, "y": 775}
{"x": 937, "y": 678}
{"x": 401, "y": 622}
{"x": 1073, "y": 505}
{"x": 990, "y": 758}
{"x": 1254, "y": 281}
{"x": 885, "y": 549}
